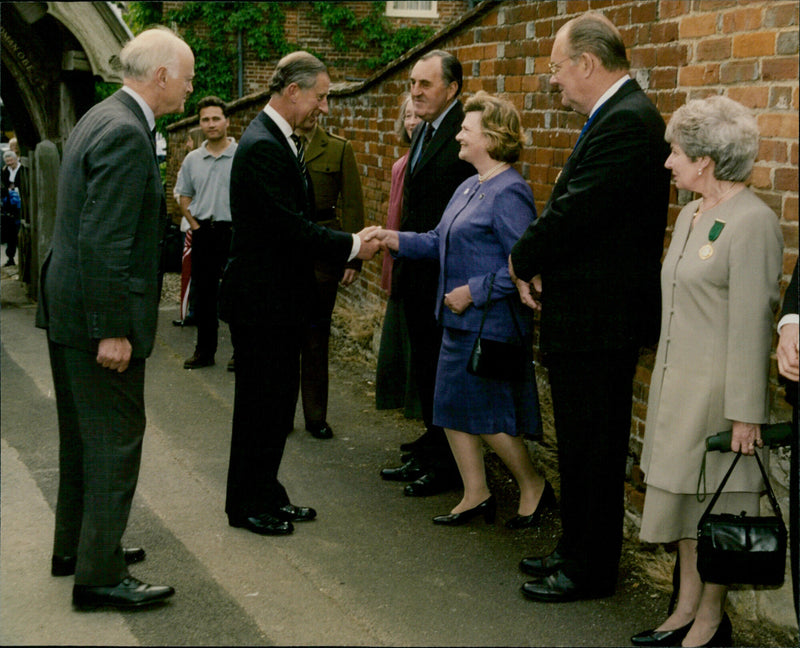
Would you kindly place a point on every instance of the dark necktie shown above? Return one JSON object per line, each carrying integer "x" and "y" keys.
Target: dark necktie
{"x": 301, "y": 158}
{"x": 426, "y": 139}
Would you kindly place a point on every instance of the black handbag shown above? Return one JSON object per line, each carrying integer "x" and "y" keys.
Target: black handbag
{"x": 741, "y": 548}
{"x": 512, "y": 361}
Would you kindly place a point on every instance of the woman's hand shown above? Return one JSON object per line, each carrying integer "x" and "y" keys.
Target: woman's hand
{"x": 745, "y": 437}
{"x": 458, "y": 299}
{"x": 389, "y": 240}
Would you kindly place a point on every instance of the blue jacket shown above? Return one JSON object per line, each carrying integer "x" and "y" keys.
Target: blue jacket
{"x": 472, "y": 242}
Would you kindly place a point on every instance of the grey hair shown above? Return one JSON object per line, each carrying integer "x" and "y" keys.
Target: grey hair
{"x": 9, "y": 154}
{"x": 299, "y": 67}
{"x": 150, "y": 50}
{"x": 399, "y": 123}
{"x": 720, "y": 128}
{"x": 596, "y": 34}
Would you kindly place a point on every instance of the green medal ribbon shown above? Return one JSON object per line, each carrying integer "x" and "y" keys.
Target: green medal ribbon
{"x": 716, "y": 230}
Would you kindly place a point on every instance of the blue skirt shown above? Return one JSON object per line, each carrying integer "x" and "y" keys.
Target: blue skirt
{"x": 478, "y": 405}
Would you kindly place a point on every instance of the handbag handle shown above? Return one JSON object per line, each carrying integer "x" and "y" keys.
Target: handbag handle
{"x": 489, "y": 305}
{"x": 772, "y": 499}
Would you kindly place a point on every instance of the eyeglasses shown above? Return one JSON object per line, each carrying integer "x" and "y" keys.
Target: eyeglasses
{"x": 555, "y": 67}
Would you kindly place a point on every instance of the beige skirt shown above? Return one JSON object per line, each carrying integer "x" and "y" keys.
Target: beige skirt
{"x": 669, "y": 517}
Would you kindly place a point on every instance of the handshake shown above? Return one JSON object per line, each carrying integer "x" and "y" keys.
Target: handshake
{"x": 374, "y": 239}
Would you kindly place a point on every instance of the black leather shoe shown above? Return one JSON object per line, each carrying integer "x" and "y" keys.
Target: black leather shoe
{"x": 129, "y": 593}
{"x": 559, "y": 588}
{"x": 431, "y": 483}
{"x": 546, "y": 501}
{"x": 197, "y": 361}
{"x": 65, "y": 565}
{"x": 487, "y": 508}
{"x": 292, "y": 513}
{"x": 542, "y": 566}
{"x": 409, "y": 471}
{"x": 661, "y": 637}
{"x": 416, "y": 444}
{"x": 320, "y": 430}
{"x": 263, "y": 524}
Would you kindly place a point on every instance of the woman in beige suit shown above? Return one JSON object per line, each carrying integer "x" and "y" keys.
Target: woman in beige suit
{"x": 719, "y": 285}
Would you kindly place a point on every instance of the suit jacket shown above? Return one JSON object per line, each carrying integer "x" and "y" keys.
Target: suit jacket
{"x": 472, "y": 243}
{"x": 270, "y": 273}
{"x": 100, "y": 277}
{"x": 599, "y": 239}
{"x": 427, "y": 189}
{"x": 334, "y": 174}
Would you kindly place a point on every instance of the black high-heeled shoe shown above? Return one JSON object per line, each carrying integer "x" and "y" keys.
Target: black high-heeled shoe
{"x": 724, "y": 634}
{"x": 547, "y": 500}
{"x": 662, "y": 637}
{"x": 487, "y": 508}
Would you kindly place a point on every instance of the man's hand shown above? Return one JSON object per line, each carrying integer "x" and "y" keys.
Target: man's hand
{"x": 745, "y": 437}
{"x": 114, "y": 353}
{"x": 389, "y": 239}
{"x": 788, "y": 352}
{"x": 459, "y": 299}
{"x": 530, "y": 292}
{"x": 369, "y": 245}
{"x": 349, "y": 276}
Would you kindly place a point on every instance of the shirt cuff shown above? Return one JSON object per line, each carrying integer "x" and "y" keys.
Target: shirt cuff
{"x": 789, "y": 318}
{"x": 356, "y": 248}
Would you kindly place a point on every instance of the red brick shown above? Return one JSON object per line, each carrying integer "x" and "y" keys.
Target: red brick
{"x": 786, "y": 179}
{"x": 752, "y": 97}
{"x": 643, "y": 57}
{"x": 780, "y": 69}
{"x": 754, "y": 44}
{"x": 699, "y": 25}
{"x": 738, "y": 71}
{"x": 789, "y": 227}
{"x": 784, "y": 14}
{"x": 778, "y": 125}
{"x": 645, "y": 12}
{"x": 714, "y": 49}
{"x": 746, "y": 19}
{"x": 674, "y": 8}
{"x": 793, "y": 153}
{"x": 664, "y": 78}
{"x": 699, "y": 75}
{"x": 770, "y": 150}
{"x": 761, "y": 177}
{"x": 664, "y": 32}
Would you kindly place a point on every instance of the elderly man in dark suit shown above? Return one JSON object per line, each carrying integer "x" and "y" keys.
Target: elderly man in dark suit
{"x": 266, "y": 288}
{"x": 433, "y": 173}
{"x": 99, "y": 301}
{"x": 595, "y": 254}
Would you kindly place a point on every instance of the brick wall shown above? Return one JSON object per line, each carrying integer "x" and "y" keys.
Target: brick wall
{"x": 679, "y": 49}
{"x": 303, "y": 28}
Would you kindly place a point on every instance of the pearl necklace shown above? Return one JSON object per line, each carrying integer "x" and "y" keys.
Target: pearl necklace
{"x": 490, "y": 172}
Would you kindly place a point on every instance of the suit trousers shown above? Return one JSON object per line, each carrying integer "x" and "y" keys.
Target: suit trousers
{"x": 211, "y": 244}
{"x": 101, "y": 422}
{"x": 794, "y": 508}
{"x": 314, "y": 359}
{"x": 265, "y": 397}
{"x": 592, "y": 394}
{"x": 425, "y": 340}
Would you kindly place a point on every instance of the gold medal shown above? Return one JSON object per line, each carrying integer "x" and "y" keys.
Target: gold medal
{"x": 706, "y": 251}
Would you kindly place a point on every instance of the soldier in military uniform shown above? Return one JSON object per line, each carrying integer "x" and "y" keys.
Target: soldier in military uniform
{"x": 332, "y": 167}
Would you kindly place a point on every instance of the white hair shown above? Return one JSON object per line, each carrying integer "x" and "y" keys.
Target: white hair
{"x": 150, "y": 50}
{"x": 720, "y": 128}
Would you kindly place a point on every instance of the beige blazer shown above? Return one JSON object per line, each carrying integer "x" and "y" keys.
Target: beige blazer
{"x": 717, "y": 323}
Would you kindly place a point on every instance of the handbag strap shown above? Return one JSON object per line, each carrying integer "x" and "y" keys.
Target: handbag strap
{"x": 770, "y": 493}
{"x": 510, "y": 308}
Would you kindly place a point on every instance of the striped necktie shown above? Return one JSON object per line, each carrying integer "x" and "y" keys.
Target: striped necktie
{"x": 301, "y": 157}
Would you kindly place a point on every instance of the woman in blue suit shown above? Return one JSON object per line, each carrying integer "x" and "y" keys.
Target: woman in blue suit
{"x": 485, "y": 217}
